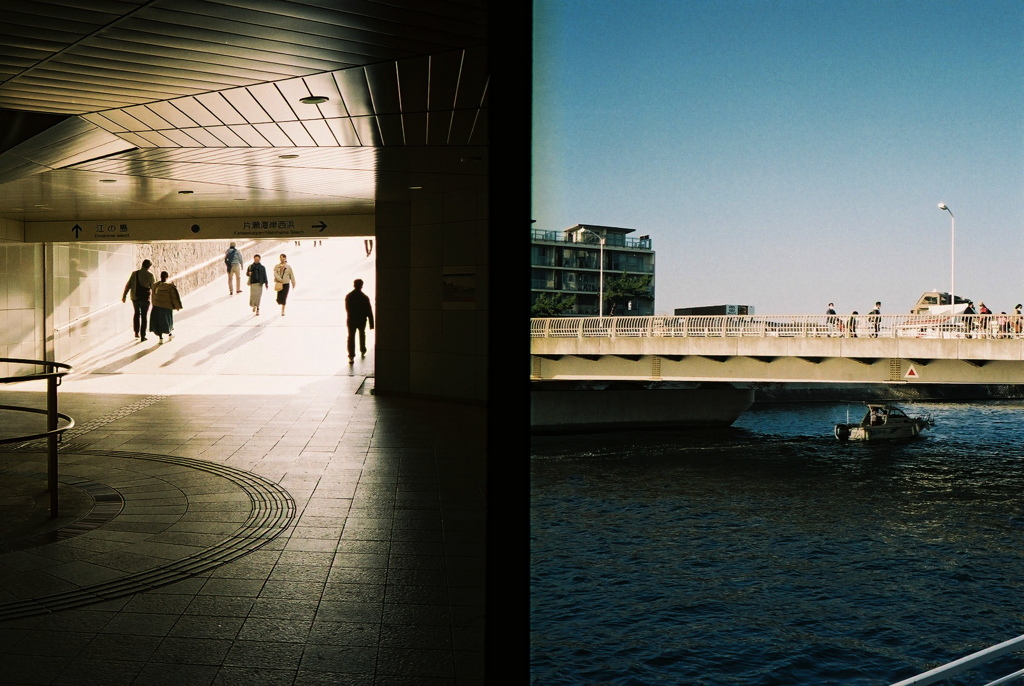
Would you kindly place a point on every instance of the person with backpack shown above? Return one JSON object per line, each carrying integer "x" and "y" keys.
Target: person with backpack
{"x": 233, "y": 261}
{"x": 139, "y": 285}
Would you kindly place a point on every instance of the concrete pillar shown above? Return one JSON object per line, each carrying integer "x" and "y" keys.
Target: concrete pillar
{"x": 432, "y": 274}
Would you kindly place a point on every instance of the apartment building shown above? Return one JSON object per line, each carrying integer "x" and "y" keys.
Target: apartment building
{"x": 576, "y": 261}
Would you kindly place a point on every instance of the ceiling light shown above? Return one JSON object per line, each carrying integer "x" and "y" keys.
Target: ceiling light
{"x": 314, "y": 100}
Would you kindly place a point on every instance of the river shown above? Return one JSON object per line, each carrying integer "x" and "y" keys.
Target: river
{"x": 771, "y": 554}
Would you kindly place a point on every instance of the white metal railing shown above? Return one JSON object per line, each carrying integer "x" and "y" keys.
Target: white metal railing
{"x": 784, "y": 325}
{"x": 971, "y": 661}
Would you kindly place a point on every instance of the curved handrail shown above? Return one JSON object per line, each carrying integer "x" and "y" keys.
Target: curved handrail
{"x": 55, "y": 371}
{"x": 59, "y": 370}
{"x": 33, "y": 377}
{"x": 58, "y": 431}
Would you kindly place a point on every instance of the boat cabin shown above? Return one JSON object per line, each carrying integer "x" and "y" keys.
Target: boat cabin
{"x": 878, "y": 415}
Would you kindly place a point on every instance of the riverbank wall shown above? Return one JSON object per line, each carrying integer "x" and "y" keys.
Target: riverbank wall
{"x": 802, "y": 393}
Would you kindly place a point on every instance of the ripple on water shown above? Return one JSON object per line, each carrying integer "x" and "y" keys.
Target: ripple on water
{"x": 770, "y": 553}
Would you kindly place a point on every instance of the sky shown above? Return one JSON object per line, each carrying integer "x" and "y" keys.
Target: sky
{"x": 786, "y": 154}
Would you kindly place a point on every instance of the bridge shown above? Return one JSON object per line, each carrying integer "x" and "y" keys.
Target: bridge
{"x": 726, "y": 355}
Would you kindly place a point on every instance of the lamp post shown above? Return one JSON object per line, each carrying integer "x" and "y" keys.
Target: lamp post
{"x": 600, "y": 282}
{"x": 952, "y": 257}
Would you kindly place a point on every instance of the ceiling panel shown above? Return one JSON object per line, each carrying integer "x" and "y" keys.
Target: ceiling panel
{"x": 206, "y": 93}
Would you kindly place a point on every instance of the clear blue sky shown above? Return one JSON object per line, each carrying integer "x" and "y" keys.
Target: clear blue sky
{"x": 785, "y": 154}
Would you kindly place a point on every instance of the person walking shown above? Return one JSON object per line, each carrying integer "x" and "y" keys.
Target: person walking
{"x": 138, "y": 287}
{"x": 833, "y": 320}
{"x": 233, "y": 261}
{"x": 358, "y": 312}
{"x": 165, "y": 301}
{"x": 257, "y": 280}
{"x": 876, "y": 319}
{"x": 1018, "y": 325}
{"x": 284, "y": 280}
{"x": 851, "y": 325}
{"x": 970, "y": 322}
{"x": 984, "y": 323}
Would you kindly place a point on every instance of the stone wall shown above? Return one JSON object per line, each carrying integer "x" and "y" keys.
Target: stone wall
{"x": 191, "y": 265}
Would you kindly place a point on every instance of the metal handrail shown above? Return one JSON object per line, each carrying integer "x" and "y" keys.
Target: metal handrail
{"x": 993, "y": 326}
{"x": 971, "y": 661}
{"x": 55, "y": 372}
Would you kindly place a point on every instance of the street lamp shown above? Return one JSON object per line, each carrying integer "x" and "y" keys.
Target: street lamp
{"x": 600, "y": 277}
{"x": 952, "y": 257}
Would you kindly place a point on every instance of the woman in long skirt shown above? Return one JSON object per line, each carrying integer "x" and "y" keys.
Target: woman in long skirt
{"x": 165, "y": 301}
{"x": 257, "y": 274}
{"x": 284, "y": 278}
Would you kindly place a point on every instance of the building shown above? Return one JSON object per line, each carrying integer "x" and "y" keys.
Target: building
{"x": 569, "y": 263}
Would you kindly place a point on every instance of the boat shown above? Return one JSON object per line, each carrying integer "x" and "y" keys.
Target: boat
{"x": 883, "y": 422}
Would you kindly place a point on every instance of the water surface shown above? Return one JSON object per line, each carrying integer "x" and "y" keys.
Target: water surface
{"x": 770, "y": 553}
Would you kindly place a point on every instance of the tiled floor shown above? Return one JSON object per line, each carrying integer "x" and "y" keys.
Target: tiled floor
{"x": 250, "y": 517}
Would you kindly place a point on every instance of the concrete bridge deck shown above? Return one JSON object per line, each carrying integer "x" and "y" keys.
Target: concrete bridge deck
{"x": 781, "y": 348}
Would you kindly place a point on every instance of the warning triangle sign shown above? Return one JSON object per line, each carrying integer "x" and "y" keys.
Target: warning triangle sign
{"x": 911, "y": 373}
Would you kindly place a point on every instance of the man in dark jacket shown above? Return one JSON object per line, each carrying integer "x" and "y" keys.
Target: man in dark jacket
{"x": 140, "y": 283}
{"x": 357, "y": 307}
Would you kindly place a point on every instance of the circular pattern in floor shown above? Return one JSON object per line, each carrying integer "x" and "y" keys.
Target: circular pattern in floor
{"x": 177, "y": 517}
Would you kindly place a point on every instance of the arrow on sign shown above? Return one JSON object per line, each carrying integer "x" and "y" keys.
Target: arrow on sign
{"x": 76, "y": 230}
{"x": 320, "y": 226}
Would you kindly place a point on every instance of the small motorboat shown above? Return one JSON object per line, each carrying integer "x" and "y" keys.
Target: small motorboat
{"x": 883, "y": 422}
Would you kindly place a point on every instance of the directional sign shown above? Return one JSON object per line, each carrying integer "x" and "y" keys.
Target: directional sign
{"x": 113, "y": 230}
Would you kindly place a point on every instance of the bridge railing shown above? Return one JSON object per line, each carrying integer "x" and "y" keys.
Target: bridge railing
{"x": 801, "y": 326}
{"x": 942, "y": 673}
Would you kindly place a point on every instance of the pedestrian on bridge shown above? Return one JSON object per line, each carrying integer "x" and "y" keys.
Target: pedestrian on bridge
{"x": 876, "y": 319}
{"x": 970, "y": 322}
{"x": 851, "y": 325}
{"x": 833, "y": 320}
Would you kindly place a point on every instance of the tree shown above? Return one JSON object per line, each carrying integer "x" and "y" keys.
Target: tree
{"x": 621, "y": 289}
{"x": 552, "y": 305}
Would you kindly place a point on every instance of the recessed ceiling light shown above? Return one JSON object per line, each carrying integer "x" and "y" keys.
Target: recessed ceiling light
{"x": 185, "y": 192}
{"x": 415, "y": 188}
{"x": 288, "y": 157}
{"x": 314, "y": 100}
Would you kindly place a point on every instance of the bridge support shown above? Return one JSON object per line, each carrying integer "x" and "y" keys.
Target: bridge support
{"x": 591, "y": 405}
